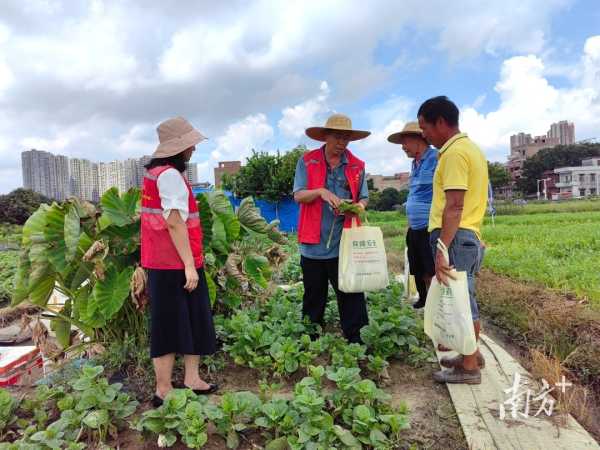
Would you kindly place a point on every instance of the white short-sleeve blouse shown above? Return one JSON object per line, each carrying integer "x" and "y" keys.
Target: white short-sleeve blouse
{"x": 173, "y": 193}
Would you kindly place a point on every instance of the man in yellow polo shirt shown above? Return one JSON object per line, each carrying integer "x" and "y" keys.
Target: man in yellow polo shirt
{"x": 459, "y": 202}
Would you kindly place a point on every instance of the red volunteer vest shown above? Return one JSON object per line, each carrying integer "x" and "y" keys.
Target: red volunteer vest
{"x": 158, "y": 250}
{"x": 309, "y": 226}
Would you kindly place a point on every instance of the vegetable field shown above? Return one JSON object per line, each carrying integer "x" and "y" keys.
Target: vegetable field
{"x": 558, "y": 250}
{"x": 285, "y": 383}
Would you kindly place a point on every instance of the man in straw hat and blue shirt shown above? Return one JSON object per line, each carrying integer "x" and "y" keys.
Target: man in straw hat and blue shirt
{"x": 324, "y": 177}
{"x": 420, "y": 258}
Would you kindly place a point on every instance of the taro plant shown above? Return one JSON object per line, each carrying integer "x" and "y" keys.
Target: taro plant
{"x": 235, "y": 245}
{"x": 89, "y": 255}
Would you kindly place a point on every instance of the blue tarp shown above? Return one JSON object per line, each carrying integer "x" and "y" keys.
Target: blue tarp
{"x": 285, "y": 210}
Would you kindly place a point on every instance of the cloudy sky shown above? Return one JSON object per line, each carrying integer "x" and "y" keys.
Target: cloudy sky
{"x": 93, "y": 78}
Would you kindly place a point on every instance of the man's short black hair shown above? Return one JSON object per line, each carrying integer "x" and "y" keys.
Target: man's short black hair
{"x": 437, "y": 107}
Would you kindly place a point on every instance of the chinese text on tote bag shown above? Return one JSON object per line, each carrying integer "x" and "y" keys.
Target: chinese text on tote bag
{"x": 363, "y": 264}
{"x": 448, "y": 319}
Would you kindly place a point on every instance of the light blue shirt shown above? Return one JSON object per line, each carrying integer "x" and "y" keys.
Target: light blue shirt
{"x": 420, "y": 190}
{"x": 336, "y": 183}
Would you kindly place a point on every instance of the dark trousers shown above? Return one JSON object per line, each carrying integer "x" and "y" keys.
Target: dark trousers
{"x": 317, "y": 274}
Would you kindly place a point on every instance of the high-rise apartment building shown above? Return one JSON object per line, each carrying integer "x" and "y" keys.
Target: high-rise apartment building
{"x": 58, "y": 177}
{"x": 46, "y": 173}
{"x": 84, "y": 179}
{"x": 523, "y": 146}
{"x": 191, "y": 172}
{"x": 564, "y": 131}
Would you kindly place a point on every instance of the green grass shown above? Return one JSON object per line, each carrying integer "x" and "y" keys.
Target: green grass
{"x": 560, "y": 250}
{"x": 536, "y": 207}
{"x": 10, "y": 237}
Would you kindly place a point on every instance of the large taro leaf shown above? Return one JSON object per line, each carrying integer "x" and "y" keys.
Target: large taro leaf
{"x": 55, "y": 237}
{"x": 119, "y": 210}
{"x": 33, "y": 230}
{"x": 219, "y": 237}
{"x": 84, "y": 208}
{"x": 274, "y": 234}
{"x": 257, "y": 268}
{"x": 221, "y": 208}
{"x": 81, "y": 300}
{"x": 62, "y": 327}
{"x": 212, "y": 289}
{"x": 21, "y": 280}
{"x": 123, "y": 239}
{"x": 251, "y": 219}
{"x": 79, "y": 270}
{"x": 205, "y": 219}
{"x": 72, "y": 229}
{"x": 108, "y": 296}
{"x": 41, "y": 284}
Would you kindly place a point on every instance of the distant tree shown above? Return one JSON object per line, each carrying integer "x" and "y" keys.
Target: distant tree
{"x": 17, "y": 206}
{"x": 265, "y": 175}
{"x": 553, "y": 158}
{"x": 370, "y": 184}
{"x": 499, "y": 176}
{"x": 374, "y": 200}
{"x": 389, "y": 198}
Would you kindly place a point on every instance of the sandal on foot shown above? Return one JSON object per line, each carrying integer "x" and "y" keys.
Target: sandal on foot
{"x": 157, "y": 401}
{"x": 458, "y": 375}
{"x": 451, "y": 362}
{"x": 212, "y": 388}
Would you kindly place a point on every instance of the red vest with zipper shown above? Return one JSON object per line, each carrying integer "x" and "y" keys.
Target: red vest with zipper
{"x": 158, "y": 250}
{"x": 309, "y": 226}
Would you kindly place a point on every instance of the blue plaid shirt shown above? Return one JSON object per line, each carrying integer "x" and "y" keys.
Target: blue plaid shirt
{"x": 335, "y": 182}
{"x": 421, "y": 189}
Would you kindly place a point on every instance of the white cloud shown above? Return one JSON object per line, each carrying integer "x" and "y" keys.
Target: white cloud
{"x": 530, "y": 103}
{"x": 90, "y": 52}
{"x": 381, "y": 156}
{"x": 251, "y": 133}
{"x": 141, "y": 138}
{"x": 310, "y": 112}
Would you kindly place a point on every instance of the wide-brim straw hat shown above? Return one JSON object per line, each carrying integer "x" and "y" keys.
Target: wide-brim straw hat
{"x": 176, "y": 135}
{"x": 336, "y": 122}
{"x": 410, "y": 129}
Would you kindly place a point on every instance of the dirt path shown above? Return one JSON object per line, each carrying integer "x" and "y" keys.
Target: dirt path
{"x": 550, "y": 334}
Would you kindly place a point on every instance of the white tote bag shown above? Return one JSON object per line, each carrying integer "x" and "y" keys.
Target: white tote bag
{"x": 410, "y": 286}
{"x": 363, "y": 263}
{"x": 448, "y": 319}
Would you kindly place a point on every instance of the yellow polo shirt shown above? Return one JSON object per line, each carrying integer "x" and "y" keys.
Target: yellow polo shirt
{"x": 461, "y": 166}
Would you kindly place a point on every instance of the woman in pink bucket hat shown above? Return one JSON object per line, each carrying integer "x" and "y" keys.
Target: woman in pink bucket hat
{"x": 171, "y": 252}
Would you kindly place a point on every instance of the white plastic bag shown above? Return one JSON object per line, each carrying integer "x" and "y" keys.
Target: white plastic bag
{"x": 410, "y": 286}
{"x": 363, "y": 263}
{"x": 448, "y": 319}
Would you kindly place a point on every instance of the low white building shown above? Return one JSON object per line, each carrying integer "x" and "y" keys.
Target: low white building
{"x": 581, "y": 181}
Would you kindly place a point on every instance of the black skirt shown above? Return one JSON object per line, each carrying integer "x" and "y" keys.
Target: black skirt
{"x": 180, "y": 321}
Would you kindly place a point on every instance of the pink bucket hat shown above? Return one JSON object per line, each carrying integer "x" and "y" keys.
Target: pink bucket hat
{"x": 174, "y": 136}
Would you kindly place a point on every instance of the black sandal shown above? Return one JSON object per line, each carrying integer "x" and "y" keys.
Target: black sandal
{"x": 212, "y": 388}
{"x": 157, "y": 401}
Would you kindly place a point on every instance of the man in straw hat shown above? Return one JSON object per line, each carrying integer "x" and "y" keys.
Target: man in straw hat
{"x": 459, "y": 202}
{"x": 324, "y": 177}
{"x": 171, "y": 252}
{"x": 420, "y": 258}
